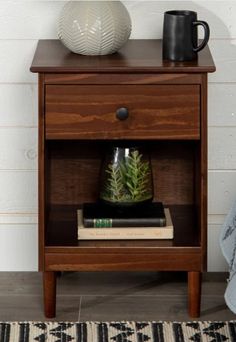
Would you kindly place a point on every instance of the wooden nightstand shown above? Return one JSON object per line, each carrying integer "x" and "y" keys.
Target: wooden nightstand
{"x": 167, "y": 105}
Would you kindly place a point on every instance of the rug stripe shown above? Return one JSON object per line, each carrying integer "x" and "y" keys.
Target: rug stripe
{"x": 178, "y": 332}
{"x": 81, "y": 331}
{"x": 232, "y": 330}
{"x": 157, "y": 332}
{"x": 24, "y": 332}
{"x": 5, "y": 330}
{"x": 102, "y": 332}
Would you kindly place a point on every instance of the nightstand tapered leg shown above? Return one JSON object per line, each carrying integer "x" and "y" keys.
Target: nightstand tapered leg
{"x": 49, "y": 287}
{"x": 194, "y": 293}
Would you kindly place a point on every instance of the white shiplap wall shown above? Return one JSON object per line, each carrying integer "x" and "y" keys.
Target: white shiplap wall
{"x": 22, "y": 23}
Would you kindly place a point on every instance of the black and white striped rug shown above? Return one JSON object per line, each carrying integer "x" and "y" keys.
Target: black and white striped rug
{"x": 118, "y": 331}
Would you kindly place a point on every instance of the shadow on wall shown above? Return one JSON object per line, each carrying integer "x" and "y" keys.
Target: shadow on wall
{"x": 147, "y": 16}
{"x": 147, "y": 22}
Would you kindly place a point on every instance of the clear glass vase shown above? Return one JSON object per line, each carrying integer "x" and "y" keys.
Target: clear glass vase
{"x": 126, "y": 177}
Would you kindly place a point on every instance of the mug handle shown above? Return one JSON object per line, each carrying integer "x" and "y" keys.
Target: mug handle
{"x": 207, "y": 34}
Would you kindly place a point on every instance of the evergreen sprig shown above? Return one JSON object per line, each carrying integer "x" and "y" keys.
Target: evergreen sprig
{"x": 114, "y": 187}
{"x": 128, "y": 180}
{"x": 136, "y": 176}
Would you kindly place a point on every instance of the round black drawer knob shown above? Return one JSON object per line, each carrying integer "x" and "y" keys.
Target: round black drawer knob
{"x": 122, "y": 113}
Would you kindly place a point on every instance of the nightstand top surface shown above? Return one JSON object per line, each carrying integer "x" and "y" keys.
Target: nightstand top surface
{"x": 135, "y": 56}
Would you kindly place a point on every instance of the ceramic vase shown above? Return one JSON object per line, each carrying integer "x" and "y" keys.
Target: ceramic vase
{"x": 94, "y": 27}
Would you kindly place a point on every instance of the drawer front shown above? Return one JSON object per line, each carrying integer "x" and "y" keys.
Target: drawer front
{"x": 154, "y": 111}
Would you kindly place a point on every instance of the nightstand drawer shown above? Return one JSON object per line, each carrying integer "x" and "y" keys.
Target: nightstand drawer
{"x": 153, "y": 112}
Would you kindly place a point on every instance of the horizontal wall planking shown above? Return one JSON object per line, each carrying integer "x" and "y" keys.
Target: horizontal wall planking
{"x": 32, "y": 218}
{"x": 18, "y": 219}
{"x": 15, "y": 61}
{"x": 18, "y": 192}
{"x": 23, "y": 19}
{"x": 16, "y": 57}
{"x": 222, "y": 104}
{"x": 216, "y": 219}
{"x": 18, "y": 148}
{"x": 216, "y": 261}
{"x": 221, "y": 191}
{"x": 18, "y": 248}
{"x": 222, "y": 148}
{"x": 29, "y": 19}
{"x": 224, "y": 55}
{"x": 19, "y": 104}
{"x": 220, "y": 16}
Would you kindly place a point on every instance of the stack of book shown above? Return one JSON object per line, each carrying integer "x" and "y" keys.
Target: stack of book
{"x": 97, "y": 221}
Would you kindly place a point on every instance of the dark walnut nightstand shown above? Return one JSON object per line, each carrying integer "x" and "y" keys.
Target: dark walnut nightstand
{"x": 167, "y": 111}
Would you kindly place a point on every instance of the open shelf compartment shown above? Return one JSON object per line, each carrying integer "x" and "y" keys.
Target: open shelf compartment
{"x": 73, "y": 171}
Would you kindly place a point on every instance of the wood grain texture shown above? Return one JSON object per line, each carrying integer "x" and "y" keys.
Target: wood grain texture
{"x": 85, "y": 112}
{"x": 75, "y": 165}
{"x": 115, "y": 296}
{"x": 118, "y": 78}
{"x": 42, "y": 154}
{"x": 135, "y": 56}
{"x": 80, "y": 121}
{"x": 194, "y": 294}
{"x": 148, "y": 308}
{"x": 122, "y": 262}
{"x": 49, "y": 288}
{"x": 203, "y": 171}
{"x": 62, "y": 232}
{"x": 22, "y": 20}
{"x": 17, "y": 55}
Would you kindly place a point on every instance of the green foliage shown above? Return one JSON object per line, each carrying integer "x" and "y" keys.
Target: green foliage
{"x": 136, "y": 176}
{"x": 114, "y": 186}
{"x": 129, "y": 180}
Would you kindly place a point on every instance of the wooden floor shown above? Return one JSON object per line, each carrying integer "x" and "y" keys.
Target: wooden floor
{"x": 111, "y": 296}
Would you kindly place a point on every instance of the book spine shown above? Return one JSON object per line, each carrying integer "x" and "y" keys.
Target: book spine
{"x": 111, "y": 223}
{"x": 125, "y": 234}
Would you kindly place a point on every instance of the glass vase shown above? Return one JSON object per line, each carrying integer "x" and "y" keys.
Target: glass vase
{"x": 126, "y": 177}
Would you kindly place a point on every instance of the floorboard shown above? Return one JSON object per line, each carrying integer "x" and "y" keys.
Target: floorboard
{"x": 111, "y": 296}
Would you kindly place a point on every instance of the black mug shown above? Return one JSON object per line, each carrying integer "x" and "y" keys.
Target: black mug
{"x": 180, "y": 35}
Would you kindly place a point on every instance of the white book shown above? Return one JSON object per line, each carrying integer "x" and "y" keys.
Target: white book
{"x": 126, "y": 233}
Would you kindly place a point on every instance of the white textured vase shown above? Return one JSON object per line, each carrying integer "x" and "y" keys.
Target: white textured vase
{"x": 94, "y": 27}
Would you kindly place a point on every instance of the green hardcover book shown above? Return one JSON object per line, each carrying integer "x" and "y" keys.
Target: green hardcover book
{"x": 99, "y": 215}
{"x": 126, "y": 233}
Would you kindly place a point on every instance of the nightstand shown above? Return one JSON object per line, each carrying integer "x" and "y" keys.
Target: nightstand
{"x": 167, "y": 111}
